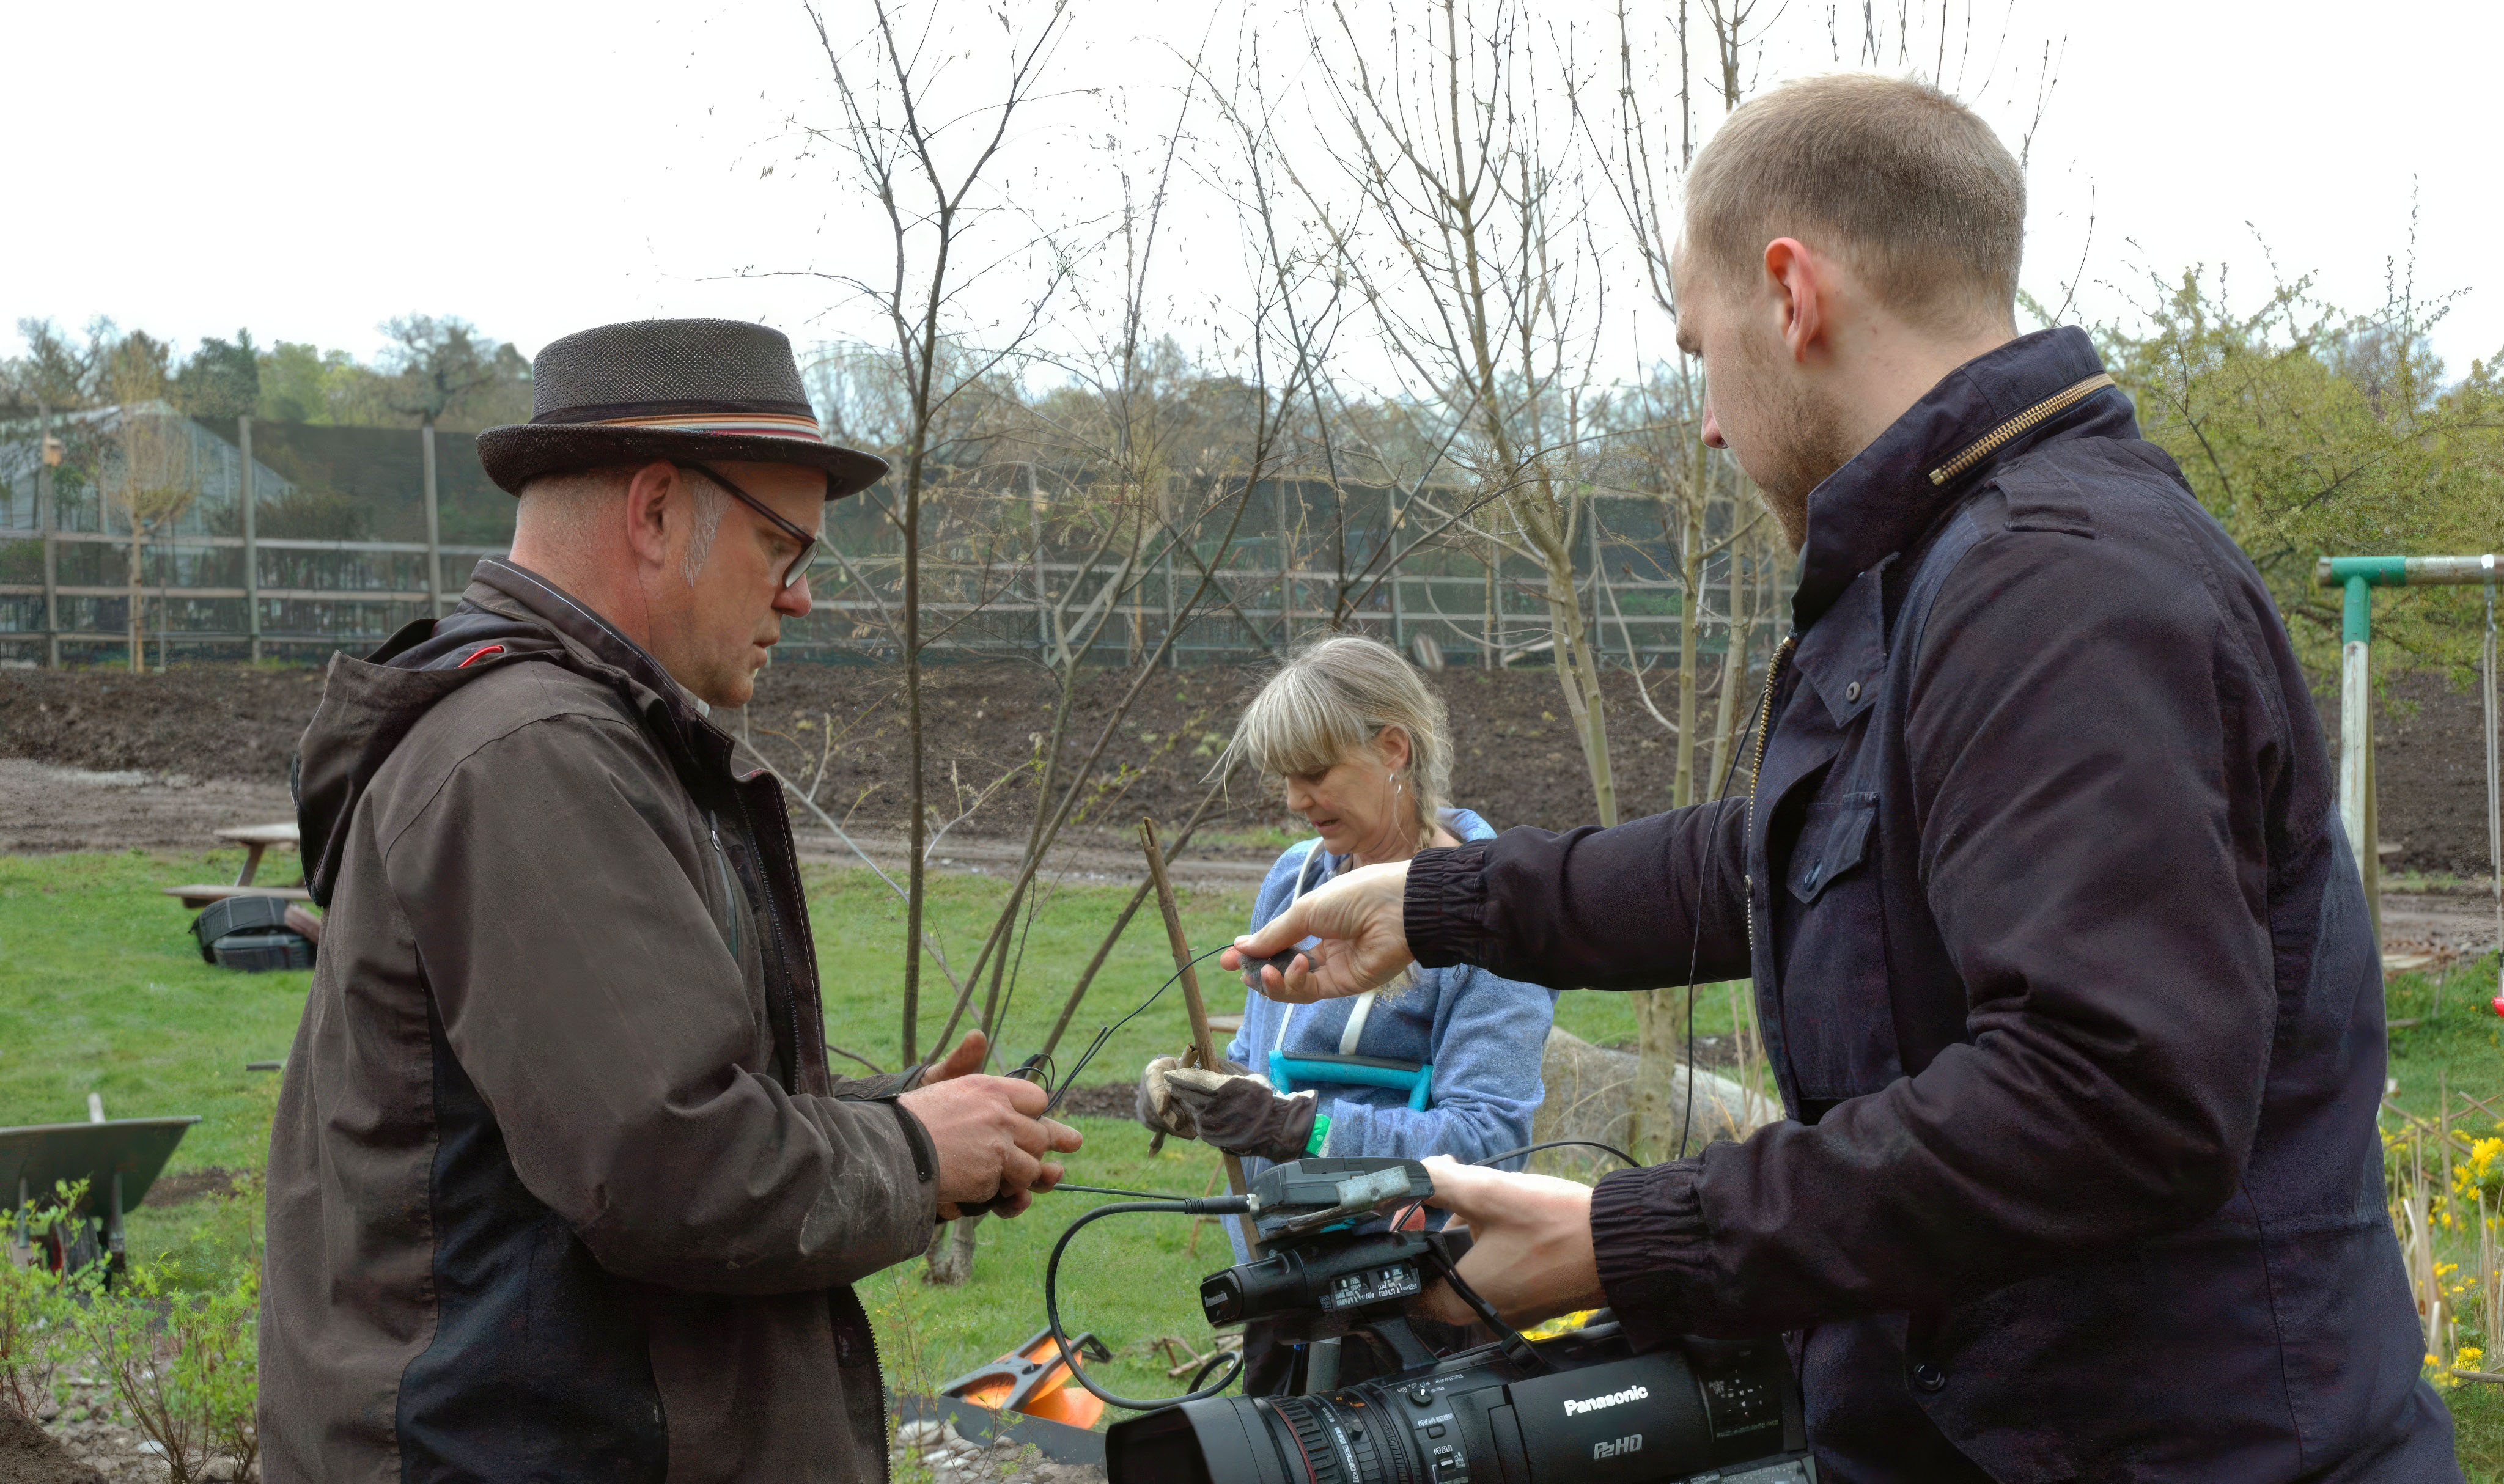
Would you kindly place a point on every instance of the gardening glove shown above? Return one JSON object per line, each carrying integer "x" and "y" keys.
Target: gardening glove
{"x": 1237, "y": 1112}
{"x": 1157, "y": 1106}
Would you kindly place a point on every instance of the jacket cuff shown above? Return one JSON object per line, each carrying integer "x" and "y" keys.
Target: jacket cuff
{"x": 926, "y": 1154}
{"x": 870, "y": 1090}
{"x": 1648, "y": 1236}
{"x": 1444, "y": 910}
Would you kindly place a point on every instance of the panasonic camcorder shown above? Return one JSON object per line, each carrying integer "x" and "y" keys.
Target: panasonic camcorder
{"x": 1580, "y": 1406}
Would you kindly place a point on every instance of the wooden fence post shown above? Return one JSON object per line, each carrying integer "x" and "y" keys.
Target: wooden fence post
{"x": 434, "y": 534}
{"x": 46, "y": 521}
{"x": 249, "y": 496}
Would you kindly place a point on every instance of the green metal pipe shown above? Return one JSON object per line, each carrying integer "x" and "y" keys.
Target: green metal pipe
{"x": 2405, "y": 571}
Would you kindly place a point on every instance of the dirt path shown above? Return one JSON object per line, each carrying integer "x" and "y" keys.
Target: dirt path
{"x": 45, "y": 808}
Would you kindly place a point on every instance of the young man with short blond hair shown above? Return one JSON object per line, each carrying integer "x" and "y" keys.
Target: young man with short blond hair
{"x": 2062, "y": 958}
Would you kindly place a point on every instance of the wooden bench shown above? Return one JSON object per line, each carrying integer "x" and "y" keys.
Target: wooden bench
{"x": 256, "y": 840}
{"x": 195, "y": 898}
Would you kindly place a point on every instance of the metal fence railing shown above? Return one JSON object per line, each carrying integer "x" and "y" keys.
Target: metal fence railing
{"x": 302, "y": 540}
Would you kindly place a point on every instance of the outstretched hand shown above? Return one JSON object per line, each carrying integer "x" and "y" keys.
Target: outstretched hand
{"x": 1363, "y": 939}
{"x": 989, "y": 1132}
{"x": 1530, "y": 1244}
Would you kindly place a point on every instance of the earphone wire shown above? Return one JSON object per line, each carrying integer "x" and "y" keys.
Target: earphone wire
{"x": 1758, "y": 716}
{"x": 1069, "y": 1079}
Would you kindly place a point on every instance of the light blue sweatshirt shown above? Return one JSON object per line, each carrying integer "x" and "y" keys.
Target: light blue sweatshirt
{"x": 1482, "y": 1034}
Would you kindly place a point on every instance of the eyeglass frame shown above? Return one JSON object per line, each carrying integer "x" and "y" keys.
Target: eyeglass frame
{"x": 799, "y": 567}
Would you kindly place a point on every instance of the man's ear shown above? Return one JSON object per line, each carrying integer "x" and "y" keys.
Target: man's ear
{"x": 648, "y": 513}
{"x": 1796, "y": 280}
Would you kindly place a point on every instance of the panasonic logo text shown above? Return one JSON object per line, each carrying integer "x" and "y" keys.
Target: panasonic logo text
{"x": 1612, "y": 1398}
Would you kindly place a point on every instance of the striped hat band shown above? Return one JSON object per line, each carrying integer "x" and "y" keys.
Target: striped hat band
{"x": 744, "y": 425}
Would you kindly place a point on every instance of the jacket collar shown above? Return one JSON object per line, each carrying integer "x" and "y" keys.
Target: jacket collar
{"x": 510, "y": 588}
{"x": 1996, "y": 405}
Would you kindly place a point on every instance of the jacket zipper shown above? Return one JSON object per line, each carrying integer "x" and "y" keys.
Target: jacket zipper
{"x": 878, "y": 1369}
{"x": 1983, "y": 447}
{"x": 731, "y": 896}
{"x": 782, "y": 960}
{"x": 1757, "y": 771}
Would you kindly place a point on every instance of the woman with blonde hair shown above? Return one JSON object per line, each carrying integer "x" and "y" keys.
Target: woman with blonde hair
{"x": 1443, "y": 1063}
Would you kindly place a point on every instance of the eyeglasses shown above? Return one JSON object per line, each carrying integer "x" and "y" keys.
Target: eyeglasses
{"x": 799, "y": 567}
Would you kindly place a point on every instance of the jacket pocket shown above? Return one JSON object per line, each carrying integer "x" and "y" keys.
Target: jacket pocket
{"x": 1838, "y": 1017}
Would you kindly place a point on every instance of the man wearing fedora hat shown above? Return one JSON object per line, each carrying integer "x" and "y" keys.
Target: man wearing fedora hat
{"x": 561, "y": 1186}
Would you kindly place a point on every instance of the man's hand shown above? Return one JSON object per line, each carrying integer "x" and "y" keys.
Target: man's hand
{"x": 1363, "y": 939}
{"x": 1530, "y": 1253}
{"x": 989, "y": 1132}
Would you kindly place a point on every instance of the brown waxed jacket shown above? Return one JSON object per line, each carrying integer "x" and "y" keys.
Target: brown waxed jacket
{"x": 561, "y": 1188}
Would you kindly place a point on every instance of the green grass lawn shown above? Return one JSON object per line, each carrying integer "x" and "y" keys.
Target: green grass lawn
{"x": 101, "y": 989}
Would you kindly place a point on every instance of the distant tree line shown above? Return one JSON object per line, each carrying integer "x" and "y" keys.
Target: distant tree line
{"x": 434, "y": 370}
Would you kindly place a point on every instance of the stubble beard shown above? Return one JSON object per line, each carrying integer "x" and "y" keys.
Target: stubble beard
{"x": 1799, "y": 441}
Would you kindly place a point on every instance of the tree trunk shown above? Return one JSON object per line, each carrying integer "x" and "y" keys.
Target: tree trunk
{"x": 950, "y": 1259}
{"x": 1690, "y": 614}
{"x": 138, "y": 599}
{"x": 1569, "y": 634}
{"x": 917, "y": 831}
{"x": 1660, "y": 1031}
{"x": 1735, "y": 678}
{"x": 1491, "y": 659}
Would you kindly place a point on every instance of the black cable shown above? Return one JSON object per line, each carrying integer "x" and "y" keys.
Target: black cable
{"x": 1097, "y": 1189}
{"x": 1106, "y": 1034}
{"x": 1531, "y": 1149}
{"x": 1517, "y": 1348}
{"x": 1211, "y": 1364}
{"x": 1695, "y": 945}
{"x": 1208, "y": 1206}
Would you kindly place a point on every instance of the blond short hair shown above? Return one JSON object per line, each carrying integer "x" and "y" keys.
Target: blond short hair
{"x": 1917, "y": 193}
{"x": 1333, "y": 699}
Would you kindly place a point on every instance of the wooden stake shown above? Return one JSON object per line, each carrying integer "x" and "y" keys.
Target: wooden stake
{"x": 1201, "y": 1042}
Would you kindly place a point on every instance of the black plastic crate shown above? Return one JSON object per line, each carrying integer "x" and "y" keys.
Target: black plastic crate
{"x": 236, "y": 915}
{"x": 263, "y": 948}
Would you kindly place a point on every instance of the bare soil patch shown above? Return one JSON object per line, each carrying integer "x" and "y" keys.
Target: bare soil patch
{"x": 194, "y": 735}
{"x": 1515, "y": 762}
{"x": 2429, "y": 760}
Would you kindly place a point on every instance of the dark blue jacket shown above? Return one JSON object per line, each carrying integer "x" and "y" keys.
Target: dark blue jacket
{"x": 2064, "y": 973}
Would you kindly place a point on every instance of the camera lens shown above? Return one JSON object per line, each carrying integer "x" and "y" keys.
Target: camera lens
{"x": 1601, "y": 1416}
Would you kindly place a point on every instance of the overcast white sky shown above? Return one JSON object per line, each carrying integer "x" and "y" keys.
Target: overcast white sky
{"x": 308, "y": 170}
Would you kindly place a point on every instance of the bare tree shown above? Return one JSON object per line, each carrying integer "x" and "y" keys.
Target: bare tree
{"x": 1469, "y": 240}
{"x": 149, "y": 476}
{"x": 932, "y": 175}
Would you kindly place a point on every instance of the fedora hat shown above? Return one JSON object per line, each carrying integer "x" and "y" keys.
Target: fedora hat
{"x": 692, "y": 391}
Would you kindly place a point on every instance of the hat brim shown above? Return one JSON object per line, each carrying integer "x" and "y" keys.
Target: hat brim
{"x": 518, "y": 453}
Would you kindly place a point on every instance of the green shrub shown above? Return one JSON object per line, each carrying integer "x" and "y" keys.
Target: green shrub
{"x": 36, "y": 1306}
{"x": 181, "y": 1363}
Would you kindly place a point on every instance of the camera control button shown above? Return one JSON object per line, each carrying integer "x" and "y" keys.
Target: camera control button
{"x": 1421, "y": 1394}
{"x": 1435, "y": 1429}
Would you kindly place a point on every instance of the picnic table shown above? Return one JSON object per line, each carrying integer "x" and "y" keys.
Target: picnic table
{"x": 256, "y": 840}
